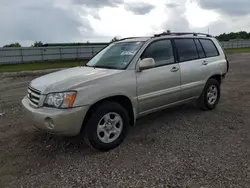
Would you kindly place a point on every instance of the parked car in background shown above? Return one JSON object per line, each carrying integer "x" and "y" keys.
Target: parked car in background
{"x": 128, "y": 79}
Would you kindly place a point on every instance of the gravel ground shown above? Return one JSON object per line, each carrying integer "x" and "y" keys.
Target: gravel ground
{"x": 178, "y": 147}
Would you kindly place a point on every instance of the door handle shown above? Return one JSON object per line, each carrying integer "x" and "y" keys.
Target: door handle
{"x": 174, "y": 69}
{"x": 204, "y": 63}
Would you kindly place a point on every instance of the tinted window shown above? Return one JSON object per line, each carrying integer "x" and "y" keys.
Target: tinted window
{"x": 209, "y": 48}
{"x": 199, "y": 49}
{"x": 186, "y": 49}
{"x": 161, "y": 51}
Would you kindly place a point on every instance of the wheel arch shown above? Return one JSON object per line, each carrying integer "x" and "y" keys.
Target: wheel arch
{"x": 123, "y": 100}
{"x": 217, "y": 77}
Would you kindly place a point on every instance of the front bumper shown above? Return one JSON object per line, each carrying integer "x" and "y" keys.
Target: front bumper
{"x": 66, "y": 122}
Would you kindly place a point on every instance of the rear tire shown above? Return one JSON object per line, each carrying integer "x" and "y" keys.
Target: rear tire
{"x": 210, "y": 95}
{"x": 107, "y": 126}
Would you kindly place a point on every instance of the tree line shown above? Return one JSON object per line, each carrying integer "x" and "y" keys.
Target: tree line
{"x": 242, "y": 35}
{"x": 40, "y": 44}
{"x": 17, "y": 44}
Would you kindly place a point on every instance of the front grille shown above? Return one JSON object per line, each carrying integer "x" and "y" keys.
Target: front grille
{"x": 33, "y": 96}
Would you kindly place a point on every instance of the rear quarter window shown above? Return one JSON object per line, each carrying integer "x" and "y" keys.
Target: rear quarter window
{"x": 199, "y": 49}
{"x": 209, "y": 48}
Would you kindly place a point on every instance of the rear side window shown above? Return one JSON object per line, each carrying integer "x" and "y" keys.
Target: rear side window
{"x": 161, "y": 51}
{"x": 200, "y": 50}
{"x": 186, "y": 49}
{"x": 209, "y": 48}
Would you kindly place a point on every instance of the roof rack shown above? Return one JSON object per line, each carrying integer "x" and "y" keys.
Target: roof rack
{"x": 129, "y": 38}
{"x": 179, "y": 34}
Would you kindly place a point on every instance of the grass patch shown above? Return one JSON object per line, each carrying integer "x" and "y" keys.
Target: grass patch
{"x": 237, "y": 50}
{"x": 41, "y": 65}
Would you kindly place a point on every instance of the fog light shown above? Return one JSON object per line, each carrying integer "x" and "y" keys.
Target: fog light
{"x": 49, "y": 123}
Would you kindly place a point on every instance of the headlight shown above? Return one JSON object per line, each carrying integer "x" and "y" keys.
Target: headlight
{"x": 60, "y": 100}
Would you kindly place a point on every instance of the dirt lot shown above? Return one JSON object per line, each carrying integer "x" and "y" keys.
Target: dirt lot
{"x": 179, "y": 147}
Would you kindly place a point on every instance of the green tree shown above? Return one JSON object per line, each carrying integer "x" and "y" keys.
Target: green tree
{"x": 234, "y": 36}
{"x": 13, "y": 45}
{"x": 114, "y": 39}
{"x": 37, "y": 44}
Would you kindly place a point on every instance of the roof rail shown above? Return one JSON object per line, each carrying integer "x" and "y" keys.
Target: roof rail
{"x": 179, "y": 34}
{"x": 128, "y": 38}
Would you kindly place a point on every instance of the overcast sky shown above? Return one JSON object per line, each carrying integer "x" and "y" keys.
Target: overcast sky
{"x": 26, "y": 21}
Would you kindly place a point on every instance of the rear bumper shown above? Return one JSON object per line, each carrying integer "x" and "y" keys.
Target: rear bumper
{"x": 223, "y": 76}
{"x": 66, "y": 122}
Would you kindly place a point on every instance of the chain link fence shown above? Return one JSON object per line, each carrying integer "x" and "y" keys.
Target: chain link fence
{"x": 40, "y": 54}
{"x": 236, "y": 44}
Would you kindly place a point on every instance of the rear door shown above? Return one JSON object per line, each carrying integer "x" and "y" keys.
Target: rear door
{"x": 193, "y": 71}
{"x": 213, "y": 60}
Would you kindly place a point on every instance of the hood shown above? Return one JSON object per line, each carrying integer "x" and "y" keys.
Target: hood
{"x": 69, "y": 78}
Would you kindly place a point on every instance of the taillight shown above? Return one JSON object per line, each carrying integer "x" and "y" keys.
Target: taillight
{"x": 227, "y": 63}
{"x": 224, "y": 54}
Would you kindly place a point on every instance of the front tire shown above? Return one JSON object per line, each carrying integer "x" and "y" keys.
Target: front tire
{"x": 107, "y": 126}
{"x": 210, "y": 95}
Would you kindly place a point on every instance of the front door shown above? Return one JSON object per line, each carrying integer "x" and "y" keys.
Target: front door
{"x": 159, "y": 86}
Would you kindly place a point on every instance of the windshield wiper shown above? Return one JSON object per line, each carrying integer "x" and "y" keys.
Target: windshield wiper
{"x": 103, "y": 67}
{"x": 87, "y": 65}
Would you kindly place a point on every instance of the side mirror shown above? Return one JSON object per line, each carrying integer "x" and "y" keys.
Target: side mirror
{"x": 146, "y": 63}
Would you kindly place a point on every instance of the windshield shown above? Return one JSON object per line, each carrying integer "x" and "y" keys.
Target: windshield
{"x": 116, "y": 55}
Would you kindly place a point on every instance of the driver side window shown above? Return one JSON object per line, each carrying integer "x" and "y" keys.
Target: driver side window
{"x": 161, "y": 51}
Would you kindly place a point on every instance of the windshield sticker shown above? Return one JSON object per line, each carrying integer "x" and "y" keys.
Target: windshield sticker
{"x": 124, "y": 63}
{"x": 128, "y": 53}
